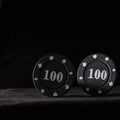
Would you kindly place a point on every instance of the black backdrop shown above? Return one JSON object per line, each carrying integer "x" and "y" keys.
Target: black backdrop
{"x": 30, "y": 30}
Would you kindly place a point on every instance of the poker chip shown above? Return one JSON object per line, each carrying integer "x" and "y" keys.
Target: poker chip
{"x": 96, "y": 74}
{"x": 53, "y": 75}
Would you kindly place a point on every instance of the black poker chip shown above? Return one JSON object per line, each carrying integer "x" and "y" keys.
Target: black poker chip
{"x": 53, "y": 75}
{"x": 97, "y": 74}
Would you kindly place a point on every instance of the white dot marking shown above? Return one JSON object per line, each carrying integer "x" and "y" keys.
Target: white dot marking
{"x": 67, "y": 87}
{"x": 51, "y": 58}
{"x": 35, "y": 79}
{"x": 107, "y": 59}
{"x": 71, "y": 73}
{"x": 94, "y": 56}
{"x": 87, "y": 89}
{"x": 84, "y": 64}
{"x": 110, "y": 84}
{"x": 99, "y": 91}
{"x": 40, "y": 65}
{"x": 80, "y": 78}
{"x": 114, "y": 70}
{"x": 64, "y": 61}
{"x": 42, "y": 91}
{"x": 55, "y": 94}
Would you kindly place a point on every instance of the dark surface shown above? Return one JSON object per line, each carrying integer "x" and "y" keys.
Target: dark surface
{"x": 31, "y": 97}
{"x": 29, "y": 103}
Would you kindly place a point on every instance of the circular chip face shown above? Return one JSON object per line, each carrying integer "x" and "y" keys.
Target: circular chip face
{"x": 96, "y": 74}
{"x": 53, "y": 75}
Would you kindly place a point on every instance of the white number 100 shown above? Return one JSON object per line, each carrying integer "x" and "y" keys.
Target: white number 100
{"x": 53, "y": 76}
{"x": 97, "y": 74}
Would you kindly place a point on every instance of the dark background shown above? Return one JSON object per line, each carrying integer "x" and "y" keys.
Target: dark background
{"x": 30, "y": 30}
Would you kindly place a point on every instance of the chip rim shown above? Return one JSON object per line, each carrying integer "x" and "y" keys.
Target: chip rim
{"x": 68, "y": 83}
{"x": 109, "y": 83}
